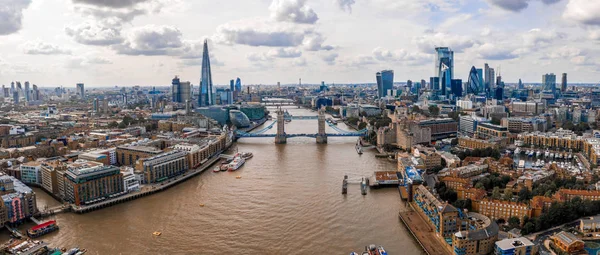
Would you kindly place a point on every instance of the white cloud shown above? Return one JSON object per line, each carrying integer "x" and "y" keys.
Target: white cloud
{"x": 11, "y": 15}
{"x": 94, "y": 34}
{"x": 85, "y": 61}
{"x": 260, "y": 33}
{"x": 538, "y": 38}
{"x": 284, "y": 53}
{"x": 151, "y": 40}
{"x": 295, "y": 11}
{"x": 256, "y": 33}
{"x": 517, "y": 5}
{"x": 43, "y": 48}
{"x": 455, "y": 20}
{"x": 111, "y": 3}
{"x": 330, "y": 58}
{"x": 299, "y": 62}
{"x": 490, "y": 51}
{"x": 583, "y": 11}
{"x": 345, "y": 5}
{"x": 428, "y": 42}
{"x": 402, "y": 56}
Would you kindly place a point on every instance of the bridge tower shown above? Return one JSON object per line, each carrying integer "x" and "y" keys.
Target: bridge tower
{"x": 280, "y": 138}
{"x": 321, "y": 135}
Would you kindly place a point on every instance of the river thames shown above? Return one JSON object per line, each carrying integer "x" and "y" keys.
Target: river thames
{"x": 288, "y": 201}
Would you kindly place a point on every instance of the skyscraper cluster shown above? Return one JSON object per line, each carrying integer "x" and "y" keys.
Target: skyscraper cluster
{"x": 385, "y": 82}
{"x": 181, "y": 91}
{"x": 29, "y": 92}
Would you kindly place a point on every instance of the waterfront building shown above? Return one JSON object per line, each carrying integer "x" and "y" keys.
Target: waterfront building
{"x": 30, "y": 173}
{"x": 589, "y": 226}
{"x": 205, "y": 97}
{"x": 519, "y": 125}
{"x": 431, "y": 158}
{"x": 163, "y": 166}
{"x": 478, "y": 238}
{"x": 442, "y": 215}
{"x": 470, "y": 193}
{"x": 385, "y": 82}
{"x": 466, "y": 142}
{"x": 52, "y": 171}
{"x": 567, "y": 242}
{"x": 515, "y": 246}
{"x": 19, "y": 201}
{"x": 488, "y": 130}
{"x": 129, "y": 154}
{"x": 130, "y": 181}
{"x": 86, "y": 182}
{"x": 81, "y": 90}
{"x": 499, "y": 209}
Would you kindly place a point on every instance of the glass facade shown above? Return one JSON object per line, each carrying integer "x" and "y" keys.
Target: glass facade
{"x": 206, "y": 85}
{"x": 474, "y": 83}
{"x": 385, "y": 82}
{"x": 549, "y": 83}
{"x": 239, "y": 119}
{"x": 444, "y": 67}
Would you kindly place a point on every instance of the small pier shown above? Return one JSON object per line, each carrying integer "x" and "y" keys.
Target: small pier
{"x": 423, "y": 233}
{"x": 345, "y": 185}
{"x": 15, "y": 232}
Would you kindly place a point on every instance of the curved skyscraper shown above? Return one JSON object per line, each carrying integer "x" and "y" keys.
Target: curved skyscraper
{"x": 473, "y": 84}
{"x": 206, "y": 90}
{"x": 238, "y": 84}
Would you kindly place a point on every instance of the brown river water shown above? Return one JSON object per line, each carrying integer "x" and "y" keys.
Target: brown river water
{"x": 288, "y": 201}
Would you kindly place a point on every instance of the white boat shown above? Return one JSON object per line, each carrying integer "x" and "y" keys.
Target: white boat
{"x": 217, "y": 169}
{"x": 531, "y": 153}
{"x": 547, "y": 153}
{"x": 359, "y": 149}
{"x": 538, "y": 154}
{"x": 517, "y": 150}
{"x": 237, "y": 162}
{"x": 551, "y": 155}
{"x": 247, "y": 155}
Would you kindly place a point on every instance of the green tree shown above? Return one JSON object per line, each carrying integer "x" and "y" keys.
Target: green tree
{"x": 434, "y": 110}
{"x": 454, "y": 142}
{"x": 122, "y": 125}
{"x": 362, "y": 125}
{"x": 508, "y": 194}
{"x": 524, "y": 195}
{"x": 514, "y": 222}
{"x": 416, "y": 109}
{"x": 113, "y": 124}
{"x": 496, "y": 193}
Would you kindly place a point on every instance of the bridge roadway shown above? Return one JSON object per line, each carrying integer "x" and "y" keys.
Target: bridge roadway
{"x": 300, "y": 135}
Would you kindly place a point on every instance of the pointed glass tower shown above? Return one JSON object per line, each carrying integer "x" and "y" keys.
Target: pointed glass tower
{"x": 206, "y": 96}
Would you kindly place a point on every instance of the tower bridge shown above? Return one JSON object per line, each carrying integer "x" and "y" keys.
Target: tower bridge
{"x": 281, "y": 136}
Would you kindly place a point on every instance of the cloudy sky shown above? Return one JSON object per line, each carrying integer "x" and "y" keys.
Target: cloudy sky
{"x": 147, "y": 42}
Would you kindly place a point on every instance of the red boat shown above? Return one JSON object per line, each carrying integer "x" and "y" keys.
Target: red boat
{"x": 42, "y": 229}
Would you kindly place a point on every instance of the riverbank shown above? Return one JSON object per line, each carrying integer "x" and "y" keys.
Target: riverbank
{"x": 146, "y": 190}
{"x": 422, "y": 232}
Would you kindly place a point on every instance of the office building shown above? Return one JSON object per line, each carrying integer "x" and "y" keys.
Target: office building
{"x": 515, "y": 246}
{"x": 128, "y": 155}
{"x": 181, "y": 91}
{"x": 206, "y": 86}
{"x": 26, "y": 92}
{"x": 19, "y": 201}
{"x": 53, "y": 176}
{"x": 16, "y": 97}
{"x": 521, "y": 84}
{"x": 468, "y": 124}
{"x": 440, "y": 128}
{"x": 163, "y": 166}
{"x": 444, "y": 67}
{"x": 549, "y": 83}
{"x": 456, "y": 88}
{"x": 500, "y": 209}
{"x": 434, "y": 83}
{"x": 385, "y": 82}
{"x": 35, "y": 94}
{"x": 563, "y": 84}
{"x": 423, "y": 84}
{"x": 519, "y": 125}
{"x": 30, "y": 173}
{"x": 473, "y": 84}
{"x": 80, "y": 90}
{"x": 464, "y": 104}
{"x": 526, "y": 108}
{"x": 488, "y": 130}
{"x": 86, "y": 182}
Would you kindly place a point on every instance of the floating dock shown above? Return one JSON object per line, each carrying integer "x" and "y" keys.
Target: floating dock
{"x": 385, "y": 179}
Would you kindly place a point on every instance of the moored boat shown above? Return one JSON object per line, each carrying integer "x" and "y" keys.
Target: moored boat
{"x": 247, "y": 155}
{"x": 236, "y": 163}
{"x": 42, "y": 229}
{"x": 217, "y": 169}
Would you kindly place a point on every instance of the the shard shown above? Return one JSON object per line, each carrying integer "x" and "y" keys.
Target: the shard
{"x": 206, "y": 96}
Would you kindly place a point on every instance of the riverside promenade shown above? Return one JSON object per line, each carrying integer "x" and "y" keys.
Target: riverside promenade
{"x": 146, "y": 189}
{"x": 423, "y": 233}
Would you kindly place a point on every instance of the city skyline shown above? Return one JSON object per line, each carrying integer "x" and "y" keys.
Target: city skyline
{"x": 102, "y": 43}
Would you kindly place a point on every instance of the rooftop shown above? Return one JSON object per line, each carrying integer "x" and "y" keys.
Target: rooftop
{"x": 513, "y": 243}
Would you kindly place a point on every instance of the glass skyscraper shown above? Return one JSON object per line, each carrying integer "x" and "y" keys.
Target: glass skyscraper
{"x": 474, "y": 83}
{"x": 444, "y": 67}
{"x": 549, "y": 83}
{"x": 206, "y": 86}
{"x": 385, "y": 82}
{"x": 81, "y": 90}
{"x": 238, "y": 84}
